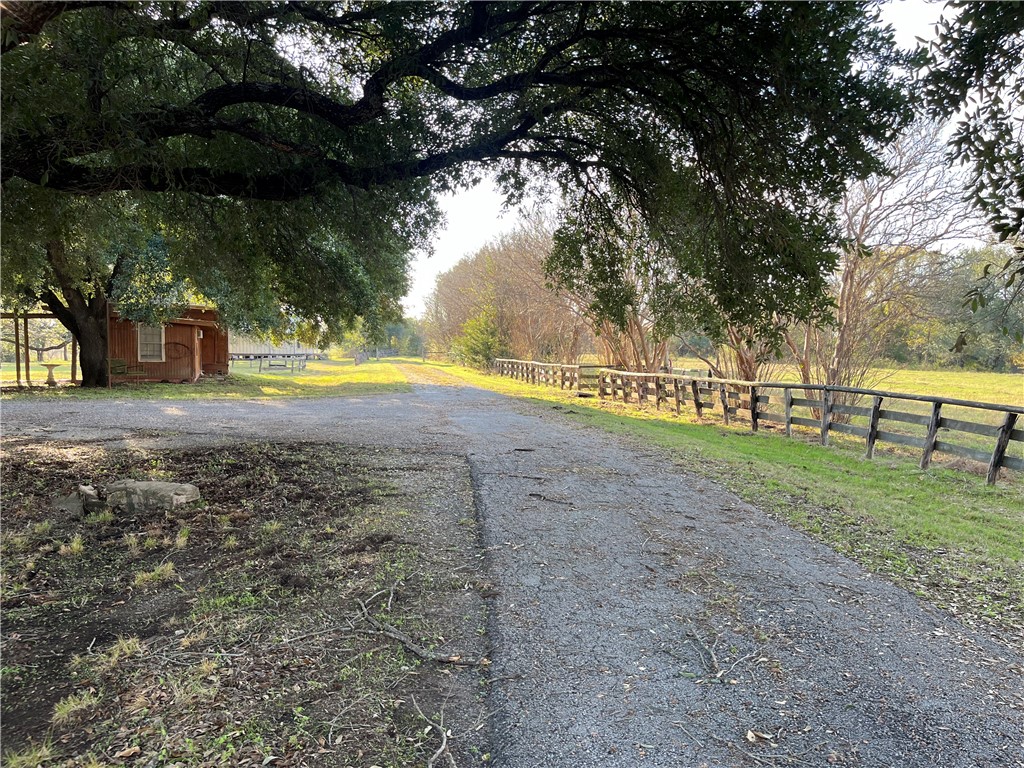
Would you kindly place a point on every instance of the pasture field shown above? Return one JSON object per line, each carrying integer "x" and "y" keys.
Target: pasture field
{"x": 980, "y": 386}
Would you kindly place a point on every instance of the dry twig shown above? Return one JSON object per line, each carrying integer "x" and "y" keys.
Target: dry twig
{"x": 383, "y": 628}
{"x": 442, "y": 751}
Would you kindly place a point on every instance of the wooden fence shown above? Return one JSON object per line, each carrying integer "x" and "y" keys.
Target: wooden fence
{"x": 534, "y": 372}
{"x": 815, "y": 406}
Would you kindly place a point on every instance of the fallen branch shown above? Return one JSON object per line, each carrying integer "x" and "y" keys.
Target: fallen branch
{"x": 443, "y": 750}
{"x": 383, "y": 628}
{"x": 706, "y": 653}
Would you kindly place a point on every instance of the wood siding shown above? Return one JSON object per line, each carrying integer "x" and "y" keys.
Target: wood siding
{"x": 215, "y": 352}
{"x": 186, "y": 356}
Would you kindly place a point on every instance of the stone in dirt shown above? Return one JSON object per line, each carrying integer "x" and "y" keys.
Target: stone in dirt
{"x": 71, "y": 503}
{"x": 149, "y": 495}
{"x": 91, "y": 498}
{"x": 85, "y": 499}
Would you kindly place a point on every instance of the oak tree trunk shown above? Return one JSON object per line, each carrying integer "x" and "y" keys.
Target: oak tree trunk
{"x": 84, "y": 316}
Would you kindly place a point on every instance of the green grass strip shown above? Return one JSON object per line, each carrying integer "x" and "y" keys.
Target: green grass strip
{"x": 320, "y": 378}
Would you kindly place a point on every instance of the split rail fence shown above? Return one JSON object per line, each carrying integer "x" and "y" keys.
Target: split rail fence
{"x": 814, "y": 406}
{"x": 548, "y": 374}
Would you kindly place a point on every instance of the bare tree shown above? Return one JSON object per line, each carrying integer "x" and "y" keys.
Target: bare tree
{"x": 896, "y": 226}
{"x": 741, "y": 354}
{"x": 506, "y": 277}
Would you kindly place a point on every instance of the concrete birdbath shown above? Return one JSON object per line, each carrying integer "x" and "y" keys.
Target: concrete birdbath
{"x": 50, "y": 381}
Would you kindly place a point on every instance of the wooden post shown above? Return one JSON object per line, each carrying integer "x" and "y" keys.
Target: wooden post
{"x": 74, "y": 360}
{"x": 695, "y": 388}
{"x": 787, "y": 400}
{"x": 1002, "y": 441}
{"x": 677, "y": 394}
{"x": 723, "y": 395}
{"x": 28, "y": 371}
{"x": 933, "y": 431}
{"x": 17, "y": 352}
{"x": 753, "y": 409}
{"x": 826, "y": 414}
{"x": 876, "y": 406}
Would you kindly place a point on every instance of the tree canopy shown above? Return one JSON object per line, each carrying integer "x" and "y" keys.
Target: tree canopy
{"x": 294, "y": 149}
{"x": 977, "y": 71}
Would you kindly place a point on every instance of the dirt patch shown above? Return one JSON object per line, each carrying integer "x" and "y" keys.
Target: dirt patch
{"x": 232, "y": 631}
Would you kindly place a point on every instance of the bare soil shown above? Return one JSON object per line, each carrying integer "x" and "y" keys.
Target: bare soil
{"x": 255, "y": 650}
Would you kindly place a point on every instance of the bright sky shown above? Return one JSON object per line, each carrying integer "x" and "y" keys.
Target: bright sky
{"x": 475, "y": 216}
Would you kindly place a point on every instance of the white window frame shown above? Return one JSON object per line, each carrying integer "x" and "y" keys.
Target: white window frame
{"x": 163, "y": 344}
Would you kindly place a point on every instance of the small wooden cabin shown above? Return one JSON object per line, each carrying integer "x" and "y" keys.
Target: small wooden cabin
{"x": 184, "y": 349}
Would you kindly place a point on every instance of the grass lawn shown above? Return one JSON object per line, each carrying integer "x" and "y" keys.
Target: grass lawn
{"x": 942, "y": 533}
{"x": 320, "y": 378}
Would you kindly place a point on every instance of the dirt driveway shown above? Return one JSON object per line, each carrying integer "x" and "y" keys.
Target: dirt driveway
{"x": 639, "y": 615}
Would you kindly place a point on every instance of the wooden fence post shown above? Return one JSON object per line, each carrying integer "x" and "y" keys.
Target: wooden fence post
{"x": 695, "y": 388}
{"x": 17, "y": 352}
{"x": 753, "y": 409}
{"x": 724, "y": 397}
{"x": 677, "y": 395}
{"x": 876, "y": 406}
{"x": 933, "y": 432}
{"x": 826, "y": 414}
{"x": 787, "y": 400}
{"x": 28, "y": 365}
{"x": 1000, "y": 450}
{"x": 658, "y": 386}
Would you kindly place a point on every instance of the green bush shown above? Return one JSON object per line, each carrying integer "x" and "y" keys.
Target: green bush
{"x": 480, "y": 342}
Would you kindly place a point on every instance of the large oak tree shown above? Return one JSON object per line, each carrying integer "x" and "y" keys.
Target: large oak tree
{"x": 291, "y": 151}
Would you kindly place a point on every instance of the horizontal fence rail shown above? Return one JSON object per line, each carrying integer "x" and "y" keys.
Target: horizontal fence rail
{"x": 549, "y": 374}
{"x": 887, "y": 417}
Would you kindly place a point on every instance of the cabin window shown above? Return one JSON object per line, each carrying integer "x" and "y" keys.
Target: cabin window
{"x": 151, "y": 344}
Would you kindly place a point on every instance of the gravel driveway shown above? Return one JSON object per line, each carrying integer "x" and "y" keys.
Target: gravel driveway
{"x": 640, "y": 615}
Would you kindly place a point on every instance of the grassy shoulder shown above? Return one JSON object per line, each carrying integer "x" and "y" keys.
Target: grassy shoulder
{"x": 320, "y": 378}
{"x": 941, "y": 533}
{"x": 263, "y": 625}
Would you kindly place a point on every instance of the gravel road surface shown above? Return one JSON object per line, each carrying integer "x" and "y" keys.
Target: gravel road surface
{"x": 641, "y": 616}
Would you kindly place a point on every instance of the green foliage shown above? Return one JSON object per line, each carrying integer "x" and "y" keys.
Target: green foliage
{"x": 735, "y": 226}
{"x": 481, "y": 341}
{"x": 943, "y": 332}
{"x": 405, "y": 338}
{"x": 976, "y": 71}
{"x": 291, "y": 152}
{"x": 143, "y": 285}
{"x": 976, "y": 68}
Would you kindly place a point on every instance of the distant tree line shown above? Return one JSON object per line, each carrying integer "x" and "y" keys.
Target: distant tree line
{"x": 896, "y": 292}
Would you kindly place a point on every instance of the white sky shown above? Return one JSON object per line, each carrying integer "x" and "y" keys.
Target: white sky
{"x": 475, "y": 216}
